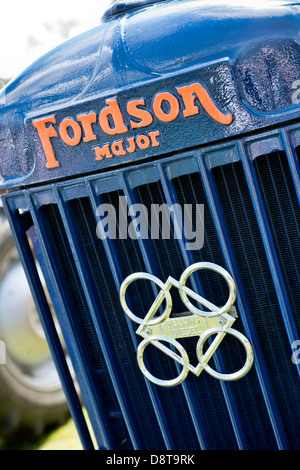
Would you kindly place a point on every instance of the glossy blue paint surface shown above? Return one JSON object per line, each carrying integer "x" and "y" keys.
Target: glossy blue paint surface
{"x": 231, "y": 49}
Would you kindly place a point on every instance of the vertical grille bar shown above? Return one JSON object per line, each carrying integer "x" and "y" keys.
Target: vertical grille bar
{"x": 47, "y": 322}
{"x": 149, "y": 258}
{"x": 228, "y": 253}
{"x": 189, "y": 259}
{"x": 100, "y": 325}
{"x": 145, "y": 247}
{"x": 101, "y": 426}
{"x": 118, "y": 279}
{"x": 289, "y": 148}
{"x": 265, "y": 231}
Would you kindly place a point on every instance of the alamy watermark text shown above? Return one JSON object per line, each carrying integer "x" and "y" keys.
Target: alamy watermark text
{"x": 137, "y": 221}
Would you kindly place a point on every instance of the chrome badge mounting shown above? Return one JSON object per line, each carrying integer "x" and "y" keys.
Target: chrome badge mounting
{"x": 161, "y": 329}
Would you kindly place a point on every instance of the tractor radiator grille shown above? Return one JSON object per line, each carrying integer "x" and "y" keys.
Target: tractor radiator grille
{"x": 250, "y": 191}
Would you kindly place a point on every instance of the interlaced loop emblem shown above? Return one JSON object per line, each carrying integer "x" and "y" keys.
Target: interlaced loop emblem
{"x": 160, "y": 329}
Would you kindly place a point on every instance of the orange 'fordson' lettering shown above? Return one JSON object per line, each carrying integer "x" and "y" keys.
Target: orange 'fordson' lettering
{"x": 166, "y": 107}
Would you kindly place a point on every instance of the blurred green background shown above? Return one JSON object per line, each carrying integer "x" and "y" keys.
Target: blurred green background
{"x": 64, "y": 437}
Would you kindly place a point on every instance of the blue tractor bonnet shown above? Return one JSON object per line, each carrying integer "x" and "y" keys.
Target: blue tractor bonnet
{"x": 173, "y": 75}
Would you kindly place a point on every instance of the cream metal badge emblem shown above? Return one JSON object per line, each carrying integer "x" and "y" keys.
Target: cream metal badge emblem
{"x": 163, "y": 329}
